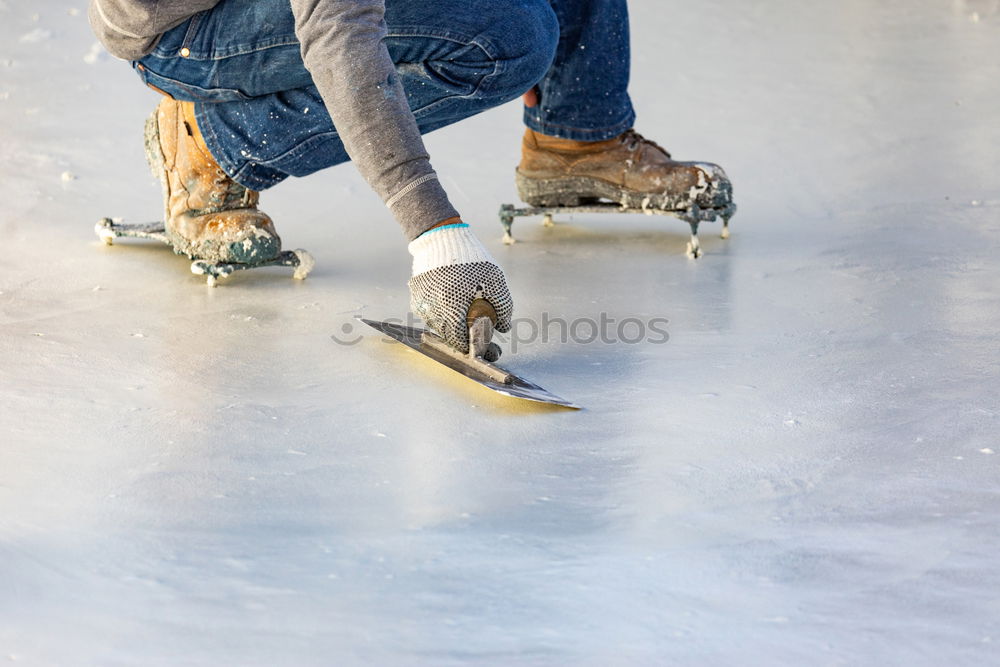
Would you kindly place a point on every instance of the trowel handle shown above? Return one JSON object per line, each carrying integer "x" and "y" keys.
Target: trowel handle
{"x": 481, "y": 320}
{"x": 480, "y": 308}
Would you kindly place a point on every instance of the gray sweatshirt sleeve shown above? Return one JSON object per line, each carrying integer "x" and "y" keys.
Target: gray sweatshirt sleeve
{"x": 129, "y": 29}
{"x": 343, "y": 50}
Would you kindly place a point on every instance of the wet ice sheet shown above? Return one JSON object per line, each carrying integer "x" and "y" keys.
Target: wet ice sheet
{"x": 806, "y": 470}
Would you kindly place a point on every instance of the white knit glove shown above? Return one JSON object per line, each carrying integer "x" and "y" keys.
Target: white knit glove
{"x": 450, "y": 269}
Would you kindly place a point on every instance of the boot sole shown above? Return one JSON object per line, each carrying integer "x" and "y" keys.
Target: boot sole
{"x": 583, "y": 191}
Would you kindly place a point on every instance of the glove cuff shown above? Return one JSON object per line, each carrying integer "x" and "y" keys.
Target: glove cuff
{"x": 446, "y": 246}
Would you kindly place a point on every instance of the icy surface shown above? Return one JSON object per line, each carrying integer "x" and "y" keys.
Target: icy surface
{"x": 803, "y": 474}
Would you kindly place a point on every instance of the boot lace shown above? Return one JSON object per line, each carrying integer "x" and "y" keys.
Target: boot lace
{"x": 229, "y": 194}
{"x": 633, "y": 140}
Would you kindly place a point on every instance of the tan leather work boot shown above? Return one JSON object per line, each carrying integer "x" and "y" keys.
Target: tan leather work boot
{"x": 628, "y": 169}
{"x": 207, "y": 215}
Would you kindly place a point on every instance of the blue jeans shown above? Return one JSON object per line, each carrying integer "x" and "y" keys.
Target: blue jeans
{"x": 264, "y": 120}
